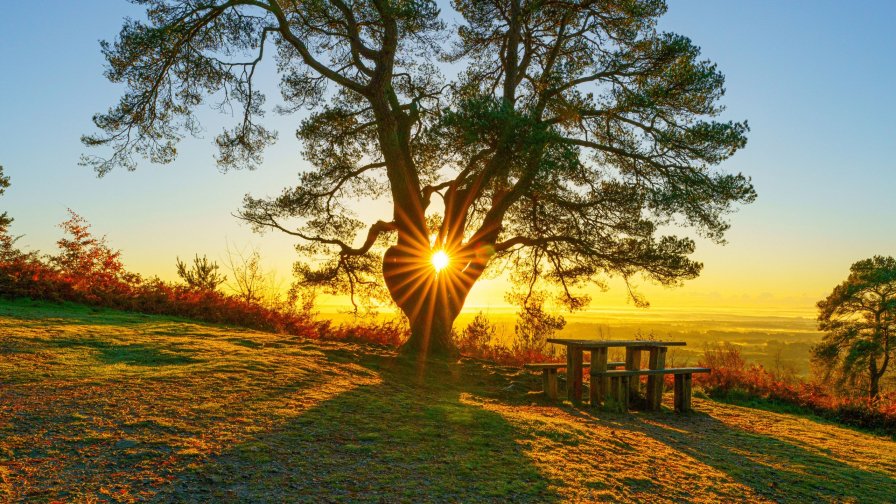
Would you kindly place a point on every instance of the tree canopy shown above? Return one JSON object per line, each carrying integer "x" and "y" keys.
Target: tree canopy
{"x": 859, "y": 320}
{"x": 564, "y": 138}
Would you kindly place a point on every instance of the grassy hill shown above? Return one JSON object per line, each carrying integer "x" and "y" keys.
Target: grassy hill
{"x": 109, "y": 406}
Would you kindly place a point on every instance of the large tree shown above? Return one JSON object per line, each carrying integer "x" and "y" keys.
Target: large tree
{"x": 859, "y": 321}
{"x": 572, "y": 134}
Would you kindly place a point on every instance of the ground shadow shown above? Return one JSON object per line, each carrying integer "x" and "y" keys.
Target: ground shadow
{"x": 134, "y": 354}
{"x": 771, "y": 467}
{"x": 396, "y": 441}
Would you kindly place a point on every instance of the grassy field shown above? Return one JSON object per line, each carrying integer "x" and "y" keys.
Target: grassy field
{"x": 107, "y": 406}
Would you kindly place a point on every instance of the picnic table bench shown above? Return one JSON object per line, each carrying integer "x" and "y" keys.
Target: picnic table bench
{"x": 620, "y": 380}
{"x": 617, "y": 385}
{"x": 549, "y": 374}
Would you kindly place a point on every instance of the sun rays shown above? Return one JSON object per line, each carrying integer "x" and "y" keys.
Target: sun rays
{"x": 440, "y": 260}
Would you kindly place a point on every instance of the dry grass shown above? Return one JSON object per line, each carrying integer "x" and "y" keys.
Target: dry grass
{"x": 105, "y": 406}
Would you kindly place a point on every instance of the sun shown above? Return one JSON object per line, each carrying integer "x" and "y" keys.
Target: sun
{"x": 440, "y": 260}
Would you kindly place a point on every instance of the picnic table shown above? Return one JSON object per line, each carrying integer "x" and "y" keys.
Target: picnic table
{"x": 627, "y": 379}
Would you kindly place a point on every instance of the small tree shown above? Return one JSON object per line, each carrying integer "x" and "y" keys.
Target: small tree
{"x": 249, "y": 281}
{"x": 479, "y": 334}
{"x": 534, "y": 325}
{"x": 90, "y": 264}
{"x": 859, "y": 320}
{"x": 202, "y": 275}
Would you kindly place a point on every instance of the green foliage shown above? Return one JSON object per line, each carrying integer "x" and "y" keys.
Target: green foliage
{"x": 478, "y": 334}
{"x": 5, "y": 220}
{"x": 202, "y": 274}
{"x": 859, "y": 321}
{"x": 534, "y": 324}
{"x": 8, "y": 250}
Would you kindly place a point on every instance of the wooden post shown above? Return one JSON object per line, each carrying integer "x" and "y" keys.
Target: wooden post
{"x": 624, "y": 391}
{"x": 612, "y": 398}
{"x": 550, "y": 383}
{"x": 633, "y": 362}
{"x": 679, "y": 392}
{"x": 569, "y": 372}
{"x": 686, "y": 393}
{"x": 598, "y": 390}
{"x": 655, "y": 382}
{"x": 574, "y": 374}
{"x": 619, "y": 393}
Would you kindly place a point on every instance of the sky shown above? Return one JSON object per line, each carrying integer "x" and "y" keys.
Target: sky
{"x": 815, "y": 80}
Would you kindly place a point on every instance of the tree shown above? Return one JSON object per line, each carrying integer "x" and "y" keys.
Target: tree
{"x": 8, "y": 251}
{"x": 250, "y": 282}
{"x": 90, "y": 264}
{"x": 573, "y": 132}
{"x": 859, "y": 321}
{"x": 202, "y": 275}
{"x": 479, "y": 334}
{"x": 534, "y": 325}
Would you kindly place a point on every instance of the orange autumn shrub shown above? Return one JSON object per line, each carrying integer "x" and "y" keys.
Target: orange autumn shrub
{"x": 733, "y": 378}
{"x": 389, "y": 333}
{"x": 86, "y": 270}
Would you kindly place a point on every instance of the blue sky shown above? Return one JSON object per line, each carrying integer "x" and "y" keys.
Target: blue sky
{"x": 814, "y": 79}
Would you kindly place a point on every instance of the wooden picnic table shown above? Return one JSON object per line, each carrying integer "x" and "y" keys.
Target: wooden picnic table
{"x": 599, "y": 349}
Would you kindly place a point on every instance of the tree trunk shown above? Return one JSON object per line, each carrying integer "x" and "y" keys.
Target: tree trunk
{"x": 874, "y": 385}
{"x": 430, "y": 299}
{"x": 431, "y": 336}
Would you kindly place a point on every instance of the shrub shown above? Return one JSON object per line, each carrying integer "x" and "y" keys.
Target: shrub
{"x": 389, "y": 333}
{"x": 201, "y": 275}
{"x": 479, "y": 333}
{"x": 732, "y": 377}
{"x": 90, "y": 266}
{"x": 479, "y": 340}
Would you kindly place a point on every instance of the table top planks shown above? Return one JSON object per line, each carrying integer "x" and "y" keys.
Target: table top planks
{"x": 588, "y": 344}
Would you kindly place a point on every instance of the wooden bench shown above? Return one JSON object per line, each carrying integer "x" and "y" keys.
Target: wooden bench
{"x": 549, "y": 374}
{"x": 618, "y": 391}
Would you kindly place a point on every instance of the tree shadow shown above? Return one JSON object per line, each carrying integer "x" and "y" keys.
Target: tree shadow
{"x": 396, "y": 441}
{"x": 773, "y": 468}
{"x": 134, "y": 354}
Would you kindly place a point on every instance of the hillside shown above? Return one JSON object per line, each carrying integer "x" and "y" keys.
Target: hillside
{"x": 122, "y": 407}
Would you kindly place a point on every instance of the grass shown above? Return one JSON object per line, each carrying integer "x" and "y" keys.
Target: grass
{"x": 117, "y": 407}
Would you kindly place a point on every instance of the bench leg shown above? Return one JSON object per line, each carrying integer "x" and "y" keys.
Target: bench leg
{"x": 550, "y": 383}
{"x": 683, "y": 393}
{"x": 655, "y": 382}
{"x": 624, "y": 389}
{"x": 598, "y": 391}
{"x": 633, "y": 362}
{"x": 612, "y": 398}
{"x": 574, "y": 375}
{"x": 678, "y": 392}
{"x": 618, "y": 393}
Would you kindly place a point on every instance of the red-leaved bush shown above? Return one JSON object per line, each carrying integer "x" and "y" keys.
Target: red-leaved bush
{"x": 86, "y": 270}
{"x": 733, "y": 377}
